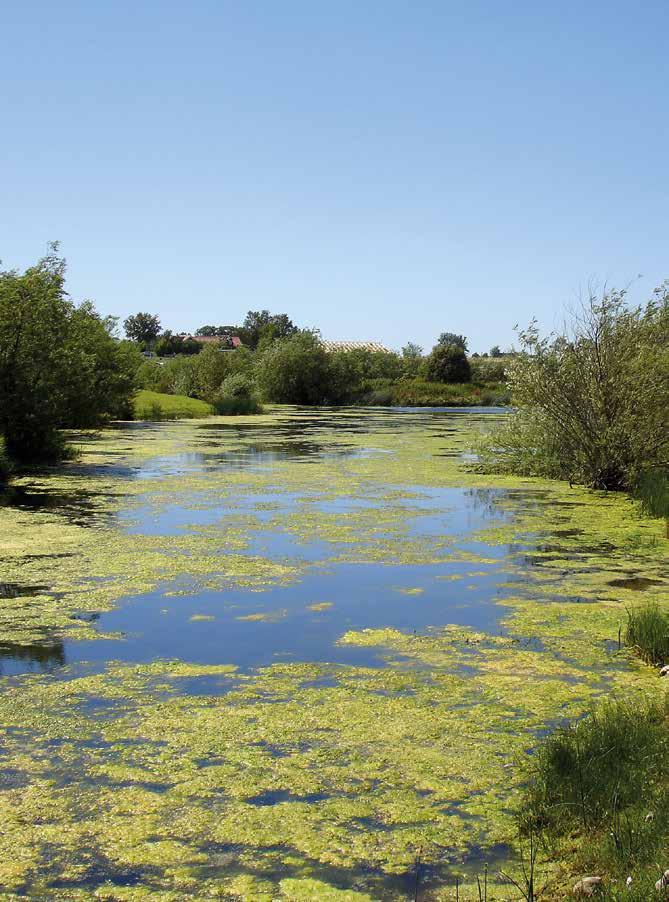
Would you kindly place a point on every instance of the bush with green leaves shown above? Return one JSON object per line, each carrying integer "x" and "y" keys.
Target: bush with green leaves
{"x": 60, "y": 365}
{"x": 237, "y": 396}
{"x": 448, "y": 363}
{"x": 593, "y": 402}
{"x": 294, "y": 370}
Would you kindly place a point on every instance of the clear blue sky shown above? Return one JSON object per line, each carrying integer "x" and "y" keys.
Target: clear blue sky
{"x": 382, "y": 170}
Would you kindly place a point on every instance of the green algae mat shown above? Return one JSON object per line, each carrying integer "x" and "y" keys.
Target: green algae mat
{"x": 295, "y": 656}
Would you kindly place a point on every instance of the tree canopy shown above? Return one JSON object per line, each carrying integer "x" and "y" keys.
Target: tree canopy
{"x": 59, "y": 364}
{"x": 143, "y": 328}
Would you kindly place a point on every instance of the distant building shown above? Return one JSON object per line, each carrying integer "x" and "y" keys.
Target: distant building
{"x": 332, "y": 346}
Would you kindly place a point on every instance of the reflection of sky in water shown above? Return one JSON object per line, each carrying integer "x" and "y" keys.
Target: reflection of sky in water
{"x": 362, "y": 595}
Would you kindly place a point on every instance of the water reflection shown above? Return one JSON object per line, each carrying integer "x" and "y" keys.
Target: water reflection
{"x": 40, "y": 656}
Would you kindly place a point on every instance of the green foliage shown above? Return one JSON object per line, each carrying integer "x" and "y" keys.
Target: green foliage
{"x": 169, "y": 345}
{"x": 648, "y": 633}
{"x": 217, "y": 331}
{"x": 450, "y": 338}
{"x": 486, "y": 369}
{"x": 653, "y": 491}
{"x": 237, "y": 396}
{"x": 593, "y": 403}
{"x": 420, "y": 393}
{"x": 448, "y": 363}
{"x": 589, "y": 772}
{"x": 59, "y": 364}
{"x": 5, "y": 464}
{"x": 263, "y": 326}
{"x": 495, "y": 351}
{"x": 295, "y": 370}
{"x": 149, "y": 405}
{"x": 144, "y": 328}
{"x": 597, "y": 794}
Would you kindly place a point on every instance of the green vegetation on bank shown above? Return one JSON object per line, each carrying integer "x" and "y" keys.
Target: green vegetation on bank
{"x": 60, "y": 365}
{"x": 297, "y": 369}
{"x": 597, "y": 796}
{"x": 151, "y": 405}
{"x": 592, "y": 403}
{"x": 648, "y": 633}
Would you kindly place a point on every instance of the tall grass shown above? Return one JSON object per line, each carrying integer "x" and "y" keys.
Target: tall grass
{"x": 648, "y": 633}
{"x": 583, "y": 772}
{"x": 597, "y": 792}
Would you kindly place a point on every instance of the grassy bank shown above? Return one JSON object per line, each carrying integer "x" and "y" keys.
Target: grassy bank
{"x": 152, "y": 405}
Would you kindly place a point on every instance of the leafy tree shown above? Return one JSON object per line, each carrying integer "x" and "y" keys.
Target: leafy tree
{"x": 412, "y": 357}
{"x": 448, "y": 363}
{"x": 450, "y": 338}
{"x": 495, "y": 351}
{"x": 59, "y": 364}
{"x": 593, "y": 402}
{"x": 294, "y": 370}
{"x": 144, "y": 328}
{"x": 217, "y": 331}
{"x": 263, "y": 325}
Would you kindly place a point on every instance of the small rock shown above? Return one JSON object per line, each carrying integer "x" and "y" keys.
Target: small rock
{"x": 588, "y": 886}
{"x": 664, "y": 671}
{"x": 663, "y": 882}
{"x": 649, "y": 817}
{"x": 628, "y": 882}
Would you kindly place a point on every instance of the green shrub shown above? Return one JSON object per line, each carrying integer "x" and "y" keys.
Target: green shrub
{"x": 295, "y": 370}
{"x": 154, "y": 406}
{"x": 448, "y": 363}
{"x": 648, "y": 633}
{"x": 593, "y": 403}
{"x": 236, "y": 396}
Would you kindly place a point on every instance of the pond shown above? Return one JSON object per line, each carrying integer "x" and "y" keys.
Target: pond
{"x": 299, "y": 655}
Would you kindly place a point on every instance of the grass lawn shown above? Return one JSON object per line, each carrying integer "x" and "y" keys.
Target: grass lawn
{"x": 152, "y": 405}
